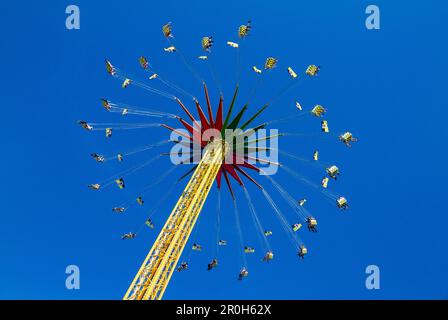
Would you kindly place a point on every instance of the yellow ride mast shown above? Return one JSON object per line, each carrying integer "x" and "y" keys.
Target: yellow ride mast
{"x": 155, "y": 273}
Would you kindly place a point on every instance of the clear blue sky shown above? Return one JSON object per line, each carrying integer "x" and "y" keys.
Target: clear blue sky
{"x": 387, "y": 86}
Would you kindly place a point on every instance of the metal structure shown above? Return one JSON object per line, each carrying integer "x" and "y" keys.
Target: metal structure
{"x": 218, "y": 158}
{"x": 153, "y": 276}
{"x": 155, "y": 273}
